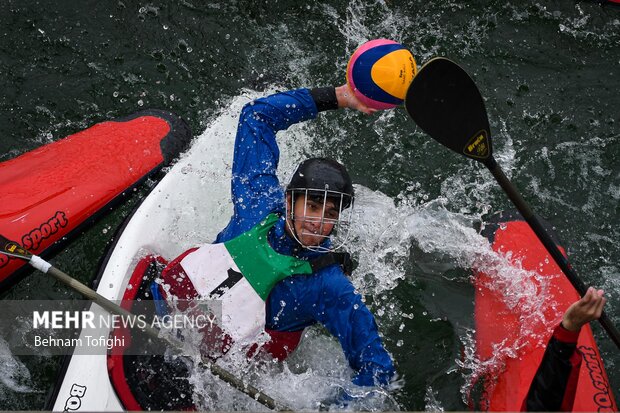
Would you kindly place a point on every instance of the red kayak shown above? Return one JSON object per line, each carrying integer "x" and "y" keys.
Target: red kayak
{"x": 52, "y": 193}
{"x": 511, "y": 336}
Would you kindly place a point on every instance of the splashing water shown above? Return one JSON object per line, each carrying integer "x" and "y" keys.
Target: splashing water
{"x": 14, "y": 375}
{"x": 313, "y": 378}
{"x": 383, "y": 234}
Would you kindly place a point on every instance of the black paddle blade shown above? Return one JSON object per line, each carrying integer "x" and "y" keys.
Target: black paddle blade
{"x": 13, "y": 249}
{"x": 445, "y": 102}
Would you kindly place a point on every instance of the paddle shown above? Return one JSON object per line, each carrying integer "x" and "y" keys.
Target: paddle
{"x": 13, "y": 249}
{"x": 446, "y": 103}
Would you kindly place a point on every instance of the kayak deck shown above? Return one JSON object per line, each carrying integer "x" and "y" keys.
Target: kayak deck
{"x": 55, "y": 191}
{"x": 501, "y": 323}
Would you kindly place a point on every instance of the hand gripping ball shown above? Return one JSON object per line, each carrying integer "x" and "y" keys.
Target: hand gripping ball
{"x": 379, "y": 73}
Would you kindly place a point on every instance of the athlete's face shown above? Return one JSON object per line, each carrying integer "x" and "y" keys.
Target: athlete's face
{"x": 313, "y": 221}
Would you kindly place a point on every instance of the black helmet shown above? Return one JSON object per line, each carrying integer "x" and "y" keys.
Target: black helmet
{"x": 322, "y": 175}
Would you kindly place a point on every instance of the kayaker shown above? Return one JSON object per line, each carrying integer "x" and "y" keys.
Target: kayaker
{"x": 554, "y": 385}
{"x": 280, "y": 240}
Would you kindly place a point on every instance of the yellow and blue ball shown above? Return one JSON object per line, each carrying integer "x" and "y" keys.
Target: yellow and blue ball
{"x": 379, "y": 73}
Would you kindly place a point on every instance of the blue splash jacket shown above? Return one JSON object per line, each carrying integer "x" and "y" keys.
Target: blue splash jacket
{"x": 327, "y": 296}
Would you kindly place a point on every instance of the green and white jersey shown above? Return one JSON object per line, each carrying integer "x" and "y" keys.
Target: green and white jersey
{"x": 240, "y": 273}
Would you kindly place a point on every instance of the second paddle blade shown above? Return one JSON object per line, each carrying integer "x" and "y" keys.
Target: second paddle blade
{"x": 445, "y": 102}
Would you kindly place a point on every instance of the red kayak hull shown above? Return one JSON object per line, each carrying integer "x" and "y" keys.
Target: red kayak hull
{"x": 52, "y": 192}
{"x": 498, "y": 325}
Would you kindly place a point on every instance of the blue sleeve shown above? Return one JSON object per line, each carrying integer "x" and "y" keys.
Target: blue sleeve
{"x": 255, "y": 187}
{"x": 329, "y": 297}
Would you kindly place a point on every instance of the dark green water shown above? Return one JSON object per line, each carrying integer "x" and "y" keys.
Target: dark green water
{"x": 549, "y": 72}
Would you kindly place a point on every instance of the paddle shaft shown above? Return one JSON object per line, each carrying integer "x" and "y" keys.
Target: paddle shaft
{"x": 216, "y": 370}
{"x": 12, "y": 249}
{"x": 546, "y": 240}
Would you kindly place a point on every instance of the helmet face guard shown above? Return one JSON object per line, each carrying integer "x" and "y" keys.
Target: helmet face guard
{"x": 321, "y": 180}
{"x": 343, "y": 203}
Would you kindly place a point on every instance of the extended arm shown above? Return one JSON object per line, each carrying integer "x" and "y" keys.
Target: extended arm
{"x": 255, "y": 187}
{"x": 329, "y": 298}
{"x": 554, "y": 385}
{"x": 343, "y": 313}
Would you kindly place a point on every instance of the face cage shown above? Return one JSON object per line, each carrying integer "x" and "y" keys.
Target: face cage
{"x": 342, "y": 225}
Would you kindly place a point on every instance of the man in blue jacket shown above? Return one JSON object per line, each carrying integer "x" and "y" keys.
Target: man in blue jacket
{"x": 278, "y": 264}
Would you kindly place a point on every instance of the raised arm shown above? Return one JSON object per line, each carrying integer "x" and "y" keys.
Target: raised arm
{"x": 255, "y": 187}
{"x": 555, "y": 383}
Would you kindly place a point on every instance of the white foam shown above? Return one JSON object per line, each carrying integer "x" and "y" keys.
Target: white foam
{"x": 14, "y": 375}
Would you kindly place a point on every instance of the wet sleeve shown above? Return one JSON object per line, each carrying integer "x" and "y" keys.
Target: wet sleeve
{"x": 255, "y": 186}
{"x": 341, "y": 310}
{"x": 555, "y": 383}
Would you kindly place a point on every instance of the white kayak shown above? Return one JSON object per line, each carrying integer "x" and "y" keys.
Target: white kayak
{"x": 189, "y": 207}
